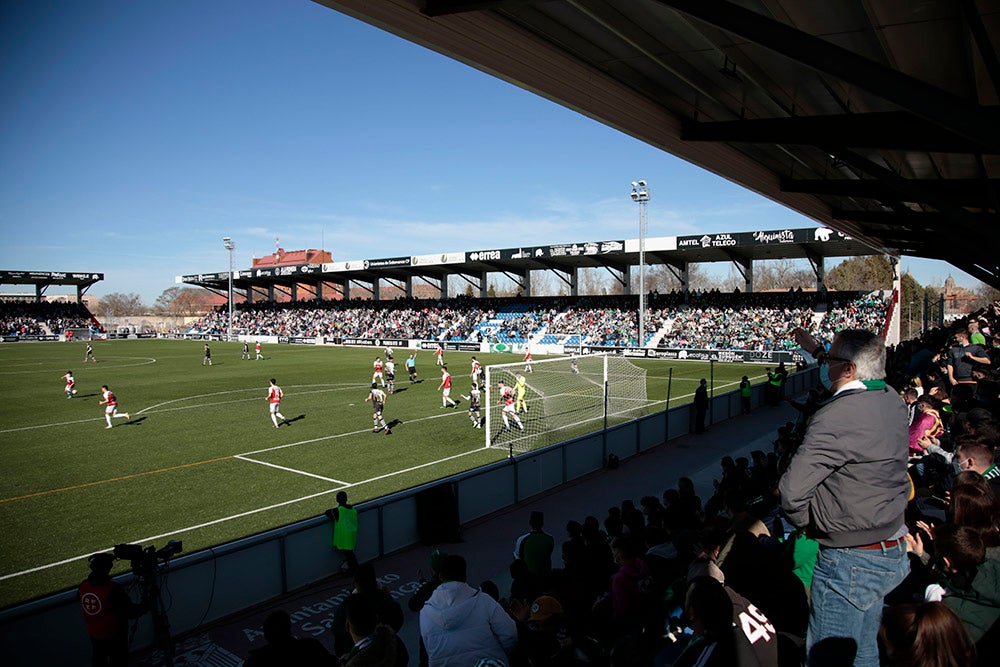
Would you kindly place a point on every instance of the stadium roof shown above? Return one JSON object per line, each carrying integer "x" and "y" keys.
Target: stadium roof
{"x": 877, "y": 118}
{"x": 42, "y": 280}
{"x": 618, "y": 255}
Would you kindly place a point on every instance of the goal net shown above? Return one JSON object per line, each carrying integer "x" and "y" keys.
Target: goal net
{"x": 560, "y": 399}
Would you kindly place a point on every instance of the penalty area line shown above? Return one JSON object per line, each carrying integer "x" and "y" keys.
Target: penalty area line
{"x": 297, "y": 472}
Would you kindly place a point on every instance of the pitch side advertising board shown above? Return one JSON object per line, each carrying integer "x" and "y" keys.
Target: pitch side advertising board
{"x": 720, "y": 356}
{"x": 375, "y": 342}
{"x": 449, "y": 346}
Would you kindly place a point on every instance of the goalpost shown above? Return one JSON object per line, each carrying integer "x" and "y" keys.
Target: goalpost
{"x": 562, "y": 398}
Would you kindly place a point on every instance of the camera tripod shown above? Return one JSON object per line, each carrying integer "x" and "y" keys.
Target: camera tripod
{"x": 152, "y": 598}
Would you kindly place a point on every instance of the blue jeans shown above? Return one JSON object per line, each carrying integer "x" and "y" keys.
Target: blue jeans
{"x": 848, "y": 587}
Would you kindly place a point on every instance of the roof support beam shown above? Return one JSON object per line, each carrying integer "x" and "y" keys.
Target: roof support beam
{"x": 936, "y": 105}
{"x": 445, "y": 7}
{"x": 982, "y": 38}
{"x": 958, "y": 192}
{"x": 896, "y": 130}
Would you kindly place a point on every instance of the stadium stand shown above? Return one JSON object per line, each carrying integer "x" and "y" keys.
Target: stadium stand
{"x": 45, "y": 318}
{"x": 707, "y": 321}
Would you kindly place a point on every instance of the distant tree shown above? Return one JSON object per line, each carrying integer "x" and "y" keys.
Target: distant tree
{"x": 491, "y": 291}
{"x": 180, "y": 301}
{"x": 861, "y": 273}
{"x": 733, "y": 281}
{"x": 781, "y": 274}
{"x": 597, "y": 281}
{"x": 116, "y": 305}
{"x": 986, "y": 295}
{"x": 911, "y": 305}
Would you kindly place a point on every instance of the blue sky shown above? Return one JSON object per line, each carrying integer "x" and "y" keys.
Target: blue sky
{"x": 135, "y": 135}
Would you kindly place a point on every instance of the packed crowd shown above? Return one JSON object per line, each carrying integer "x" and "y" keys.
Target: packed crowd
{"x": 35, "y": 319}
{"x": 709, "y": 320}
{"x": 865, "y": 312}
{"x": 355, "y": 318}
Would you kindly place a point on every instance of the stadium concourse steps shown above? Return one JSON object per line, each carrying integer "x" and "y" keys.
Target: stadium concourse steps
{"x": 487, "y": 544}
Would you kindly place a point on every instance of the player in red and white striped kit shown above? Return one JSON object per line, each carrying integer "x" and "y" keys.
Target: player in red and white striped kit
{"x": 377, "y": 376}
{"x": 70, "y": 384}
{"x": 274, "y": 396}
{"x": 445, "y": 388}
{"x": 110, "y": 412}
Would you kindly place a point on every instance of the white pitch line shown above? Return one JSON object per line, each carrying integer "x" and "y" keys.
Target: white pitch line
{"x": 145, "y": 361}
{"x": 297, "y": 472}
{"x": 154, "y": 409}
{"x": 240, "y": 515}
{"x": 343, "y": 435}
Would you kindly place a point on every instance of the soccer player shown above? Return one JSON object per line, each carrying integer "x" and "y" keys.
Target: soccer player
{"x": 111, "y": 412}
{"x": 388, "y": 354}
{"x": 274, "y": 396}
{"x": 377, "y": 375}
{"x": 70, "y": 384}
{"x": 390, "y": 375}
{"x": 259, "y": 355}
{"x": 411, "y": 367}
{"x": 89, "y": 355}
{"x": 477, "y": 368}
{"x": 246, "y": 351}
{"x": 208, "y": 356}
{"x": 507, "y": 400}
{"x": 377, "y": 397}
{"x": 527, "y": 360}
{"x": 521, "y": 385}
{"x": 440, "y": 355}
{"x": 446, "y": 387}
{"x": 473, "y": 399}
{"x": 573, "y": 366}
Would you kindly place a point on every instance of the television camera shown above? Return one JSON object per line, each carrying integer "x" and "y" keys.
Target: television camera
{"x": 145, "y": 561}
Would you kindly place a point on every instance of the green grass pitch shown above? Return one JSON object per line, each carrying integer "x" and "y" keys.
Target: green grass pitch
{"x": 199, "y": 460}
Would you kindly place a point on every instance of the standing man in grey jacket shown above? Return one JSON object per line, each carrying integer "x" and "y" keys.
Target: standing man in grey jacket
{"x": 461, "y": 625}
{"x": 847, "y": 486}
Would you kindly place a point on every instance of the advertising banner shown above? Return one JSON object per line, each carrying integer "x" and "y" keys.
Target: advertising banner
{"x": 774, "y": 357}
{"x": 759, "y": 238}
{"x": 449, "y": 346}
{"x": 615, "y": 247}
{"x": 300, "y": 340}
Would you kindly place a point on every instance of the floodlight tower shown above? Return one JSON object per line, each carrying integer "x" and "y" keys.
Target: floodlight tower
{"x": 640, "y": 195}
{"x": 228, "y": 244}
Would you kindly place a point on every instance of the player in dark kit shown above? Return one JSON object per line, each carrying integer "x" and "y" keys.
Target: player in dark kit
{"x": 377, "y": 397}
{"x": 475, "y": 415}
{"x": 208, "y": 356}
